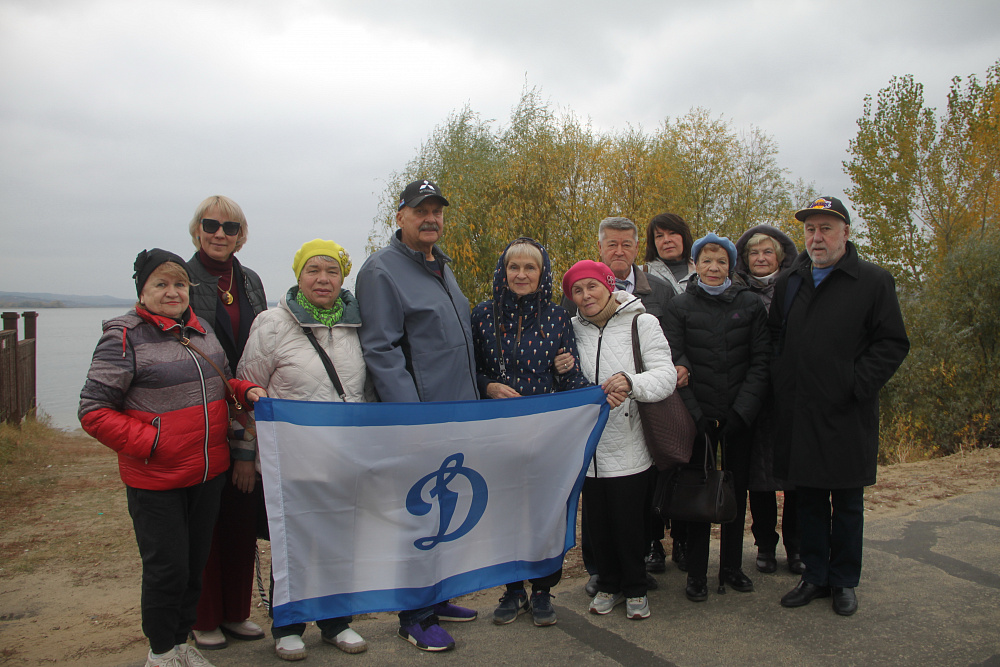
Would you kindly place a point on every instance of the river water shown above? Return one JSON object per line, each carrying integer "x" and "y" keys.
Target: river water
{"x": 66, "y": 341}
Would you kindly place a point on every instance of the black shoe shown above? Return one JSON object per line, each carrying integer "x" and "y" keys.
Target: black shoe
{"x": 512, "y": 605}
{"x": 591, "y": 586}
{"x": 678, "y": 554}
{"x": 795, "y": 564}
{"x": 766, "y": 562}
{"x": 845, "y": 602}
{"x": 696, "y": 589}
{"x": 656, "y": 559}
{"x": 803, "y": 594}
{"x": 651, "y": 583}
{"x": 735, "y": 577}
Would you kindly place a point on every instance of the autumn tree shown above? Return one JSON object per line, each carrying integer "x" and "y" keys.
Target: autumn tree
{"x": 551, "y": 176}
{"x": 922, "y": 183}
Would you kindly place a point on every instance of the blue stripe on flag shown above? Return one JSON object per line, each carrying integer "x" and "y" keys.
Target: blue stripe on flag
{"x": 313, "y": 413}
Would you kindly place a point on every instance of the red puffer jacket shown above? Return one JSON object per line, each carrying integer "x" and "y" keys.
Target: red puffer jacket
{"x": 160, "y": 405}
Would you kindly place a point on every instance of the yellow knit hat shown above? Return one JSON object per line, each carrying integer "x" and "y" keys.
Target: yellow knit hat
{"x": 317, "y": 248}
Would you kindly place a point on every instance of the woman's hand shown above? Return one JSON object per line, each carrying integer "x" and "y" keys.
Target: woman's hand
{"x": 499, "y": 390}
{"x": 617, "y": 387}
{"x": 255, "y": 394}
{"x": 682, "y": 376}
{"x": 564, "y": 362}
{"x": 244, "y": 474}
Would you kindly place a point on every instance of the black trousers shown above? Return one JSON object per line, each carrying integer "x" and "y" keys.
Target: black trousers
{"x": 832, "y": 525}
{"x": 617, "y": 513}
{"x": 538, "y": 583}
{"x": 173, "y": 529}
{"x": 764, "y": 516}
{"x": 736, "y": 458}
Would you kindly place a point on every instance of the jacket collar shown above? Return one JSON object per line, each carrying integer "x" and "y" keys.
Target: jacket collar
{"x": 167, "y": 323}
{"x": 350, "y": 318}
{"x": 641, "y": 282}
{"x": 850, "y": 263}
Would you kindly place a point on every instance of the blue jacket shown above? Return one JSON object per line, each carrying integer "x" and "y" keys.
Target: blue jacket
{"x": 532, "y": 330}
{"x": 417, "y": 337}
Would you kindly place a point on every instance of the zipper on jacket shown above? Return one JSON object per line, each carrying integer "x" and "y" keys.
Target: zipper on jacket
{"x": 204, "y": 406}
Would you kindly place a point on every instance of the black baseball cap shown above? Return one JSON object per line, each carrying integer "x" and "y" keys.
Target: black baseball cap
{"x": 417, "y": 191}
{"x": 825, "y": 204}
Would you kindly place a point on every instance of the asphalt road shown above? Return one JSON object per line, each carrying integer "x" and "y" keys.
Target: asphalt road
{"x": 929, "y": 595}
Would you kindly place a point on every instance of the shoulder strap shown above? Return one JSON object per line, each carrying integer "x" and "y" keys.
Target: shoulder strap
{"x": 636, "y": 352}
{"x": 325, "y": 358}
{"x": 186, "y": 342}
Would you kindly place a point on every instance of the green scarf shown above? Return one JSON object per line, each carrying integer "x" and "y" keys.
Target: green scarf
{"x": 328, "y": 317}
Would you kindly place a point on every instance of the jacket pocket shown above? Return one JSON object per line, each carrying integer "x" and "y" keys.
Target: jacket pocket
{"x": 156, "y": 440}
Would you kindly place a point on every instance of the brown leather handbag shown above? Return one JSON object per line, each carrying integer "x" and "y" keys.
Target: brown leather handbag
{"x": 667, "y": 425}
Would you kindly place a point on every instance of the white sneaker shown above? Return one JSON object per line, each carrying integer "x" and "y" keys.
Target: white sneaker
{"x": 290, "y": 648}
{"x": 637, "y": 608}
{"x": 209, "y": 640}
{"x": 168, "y": 659}
{"x": 191, "y": 656}
{"x": 604, "y": 602}
{"x": 348, "y": 641}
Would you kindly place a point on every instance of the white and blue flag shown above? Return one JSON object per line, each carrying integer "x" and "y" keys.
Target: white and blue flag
{"x": 393, "y": 506}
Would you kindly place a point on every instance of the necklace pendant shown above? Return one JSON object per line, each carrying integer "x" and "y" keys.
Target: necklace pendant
{"x": 227, "y": 298}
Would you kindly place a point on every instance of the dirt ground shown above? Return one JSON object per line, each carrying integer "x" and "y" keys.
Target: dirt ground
{"x": 70, "y": 571}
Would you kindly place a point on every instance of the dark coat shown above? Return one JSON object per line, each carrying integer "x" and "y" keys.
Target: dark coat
{"x": 762, "y": 451}
{"x": 532, "y": 330}
{"x": 207, "y": 305}
{"x": 841, "y": 343}
{"x": 723, "y": 341}
{"x": 654, "y": 293}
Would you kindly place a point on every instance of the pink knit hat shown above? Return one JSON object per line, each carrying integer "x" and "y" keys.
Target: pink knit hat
{"x": 588, "y": 269}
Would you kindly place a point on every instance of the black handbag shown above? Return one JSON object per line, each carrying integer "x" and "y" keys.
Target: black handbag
{"x": 701, "y": 494}
{"x": 667, "y": 425}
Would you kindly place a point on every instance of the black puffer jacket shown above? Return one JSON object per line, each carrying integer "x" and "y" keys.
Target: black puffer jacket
{"x": 723, "y": 341}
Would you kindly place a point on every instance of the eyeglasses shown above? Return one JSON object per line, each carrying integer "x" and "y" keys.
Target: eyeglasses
{"x": 211, "y": 226}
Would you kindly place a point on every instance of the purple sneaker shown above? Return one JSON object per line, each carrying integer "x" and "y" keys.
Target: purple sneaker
{"x": 427, "y": 635}
{"x": 446, "y": 611}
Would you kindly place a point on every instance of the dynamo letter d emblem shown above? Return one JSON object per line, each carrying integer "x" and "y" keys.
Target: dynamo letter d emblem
{"x": 447, "y": 500}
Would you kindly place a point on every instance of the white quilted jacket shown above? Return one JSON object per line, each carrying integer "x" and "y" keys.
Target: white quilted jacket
{"x": 280, "y": 358}
{"x": 622, "y": 449}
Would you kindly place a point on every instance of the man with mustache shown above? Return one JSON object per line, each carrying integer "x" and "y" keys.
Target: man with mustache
{"x": 417, "y": 338}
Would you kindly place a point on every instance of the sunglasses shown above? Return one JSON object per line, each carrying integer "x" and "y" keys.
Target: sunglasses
{"x": 211, "y": 226}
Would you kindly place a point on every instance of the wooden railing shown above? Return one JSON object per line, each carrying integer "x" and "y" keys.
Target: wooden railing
{"x": 17, "y": 368}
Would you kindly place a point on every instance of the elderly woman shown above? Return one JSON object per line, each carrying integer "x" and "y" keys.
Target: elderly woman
{"x": 152, "y": 397}
{"x": 519, "y": 318}
{"x": 668, "y": 256}
{"x": 718, "y": 331}
{"x": 227, "y": 296}
{"x": 761, "y": 254}
{"x": 285, "y": 353}
{"x": 616, "y": 491}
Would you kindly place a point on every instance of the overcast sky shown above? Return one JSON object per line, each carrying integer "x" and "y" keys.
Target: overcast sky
{"x": 117, "y": 117}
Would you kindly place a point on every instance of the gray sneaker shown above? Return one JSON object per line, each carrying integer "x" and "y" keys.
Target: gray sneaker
{"x": 603, "y": 603}
{"x": 637, "y": 608}
{"x": 512, "y": 605}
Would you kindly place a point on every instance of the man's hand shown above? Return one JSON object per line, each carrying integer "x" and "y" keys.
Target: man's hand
{"x": 683, "y": 375}
{"x": 244, "y": 475}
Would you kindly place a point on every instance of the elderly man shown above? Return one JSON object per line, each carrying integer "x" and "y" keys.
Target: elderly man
{"x": 839, "y": 337}
{"x": 417, "y": 340}
{"x": 618, "y": 244}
